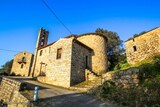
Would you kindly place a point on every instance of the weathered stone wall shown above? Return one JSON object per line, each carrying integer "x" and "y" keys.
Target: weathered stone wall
{"x": 57, "y": 71}
{"x": 81, "y": 60}
{"x": 8, "y": 86}
{"x": 10, "y": 94}
{"x": 18, "y": 100}
{"x": 147, "y": 45}
{"x": 22, "y": 66}
{"x": 126, "y": 78}
{"x": 99, "y": 58}
{"x": 89, "y": 75}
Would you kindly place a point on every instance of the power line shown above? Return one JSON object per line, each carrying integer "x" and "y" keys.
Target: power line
{"x": 9, "y": 50}
{"x": 56, "y": 16}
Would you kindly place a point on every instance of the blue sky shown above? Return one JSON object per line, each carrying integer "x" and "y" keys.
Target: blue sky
{"x": 21, "y": 19}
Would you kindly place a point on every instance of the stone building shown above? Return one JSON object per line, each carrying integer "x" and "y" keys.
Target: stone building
{"x": 69, "y": 60}
{"x": 143, "y": 46}
{"x": 22, "y": 64}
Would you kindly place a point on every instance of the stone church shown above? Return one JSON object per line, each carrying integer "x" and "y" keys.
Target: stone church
{"x": 143, "y": 46}
{"x": 65, "y": 62}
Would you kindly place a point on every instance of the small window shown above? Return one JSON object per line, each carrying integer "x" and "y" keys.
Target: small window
{"x": 49, "y": 49}
{"x": 133, "y": 39}
{"x": 43, "y": 33}
{"x": 24, "y": 53}
{"x": 134, "y": 48}
{"x": 42, "y": 43}
{"x": 43, "y": 37}
{"x": 59, "y": 53}
{"x": 21, "y": 66}
{"x": 40, "y": 54}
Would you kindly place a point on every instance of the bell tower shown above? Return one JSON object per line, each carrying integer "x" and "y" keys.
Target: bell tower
{"x": 41, "y": 42}
{"x": 42, "y": 38}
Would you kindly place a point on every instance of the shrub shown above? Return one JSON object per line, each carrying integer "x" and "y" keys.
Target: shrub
{"x": 12, "y": 74}
{"x": 4, "y": 73}
{"x": 145, "y": 95}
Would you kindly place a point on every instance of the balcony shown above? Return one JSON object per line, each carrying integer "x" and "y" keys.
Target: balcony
{"x": 22, "y": 61}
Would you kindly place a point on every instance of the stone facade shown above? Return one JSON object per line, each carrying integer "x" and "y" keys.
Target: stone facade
{"x": 66, "y": 71}
{"x": 69, "y": 60}
{"x": 22, "y": 64}
{"x": 126, "y": 78}
{"x": 143, "y": 46}
{"x": 98, "y": 44}
{"x": 79, "y": 55}
{"x": 56, "y": 71}
{"x": 80, "y": 60}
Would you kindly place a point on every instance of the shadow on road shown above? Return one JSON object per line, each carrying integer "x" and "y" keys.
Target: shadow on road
{"x": 71, "y": 100}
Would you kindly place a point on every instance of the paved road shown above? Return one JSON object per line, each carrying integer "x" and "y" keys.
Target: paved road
{"x": 51, "y": 96}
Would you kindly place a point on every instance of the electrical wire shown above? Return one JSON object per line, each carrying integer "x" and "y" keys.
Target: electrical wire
{"x": 9, "y": 50}
{"x": 44, "y": 2}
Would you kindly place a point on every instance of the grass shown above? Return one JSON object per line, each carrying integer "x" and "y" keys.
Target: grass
{"x": 147, "y": 94}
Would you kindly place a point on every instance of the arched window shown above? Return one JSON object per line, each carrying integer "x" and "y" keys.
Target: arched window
{"x": 43, "y": 36}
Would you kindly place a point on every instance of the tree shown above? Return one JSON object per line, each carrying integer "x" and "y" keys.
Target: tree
{"x": 114, "y": 46}
{"x": 6, "y": 68}
{"x": 143, "y": 32}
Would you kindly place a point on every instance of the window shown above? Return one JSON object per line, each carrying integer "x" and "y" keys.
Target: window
{"x": 24, "y": 53}
{"x": 133, "y": 39}
{"x": 43, "y": 37}
{"x": 49, "y": 49}
{"x": 40, "y": 54}
{"x": 134, "y": 48}
{"x": 42, "y": 42}
{"x": 21, "y": 66}
{"x": 59, "y": 53}
{"x": 43, "y": 33}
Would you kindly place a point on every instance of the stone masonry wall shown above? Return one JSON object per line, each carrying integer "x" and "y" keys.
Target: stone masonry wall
{"x": 99, "y": 58}
{"x": 8, "y": 86}
{"x": 78, "y": 64}
{"x": 57, "y": 71}
{"x": 10, "y": 94}
{"x": 18, "y": 100}
{"x": 126, "y": 78}
{"x": 19, "y": 62}
{"x": 147, "y": 45}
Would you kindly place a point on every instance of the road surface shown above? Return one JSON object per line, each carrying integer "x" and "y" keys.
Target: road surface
{"x": 52, "y": 96}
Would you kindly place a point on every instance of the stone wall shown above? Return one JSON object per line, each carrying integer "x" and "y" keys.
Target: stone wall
{"x": 126, "y": 78}
{"x": 143, "y": 46}
{"x": 56, "y": 71}
{"x": 98, "y": 44}
{"x": 81, "y": 60}
{"x": 10, "y": 94}
{"x": 8, "y": 86}
{"x": 18, "y": 100}
{"x": 22, "y": 64}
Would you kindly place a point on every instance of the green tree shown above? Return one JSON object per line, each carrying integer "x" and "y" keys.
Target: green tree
{"x": 6, "y": 68}
{"x": 143, "y": 32}
{"x": 114, "y": 47}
